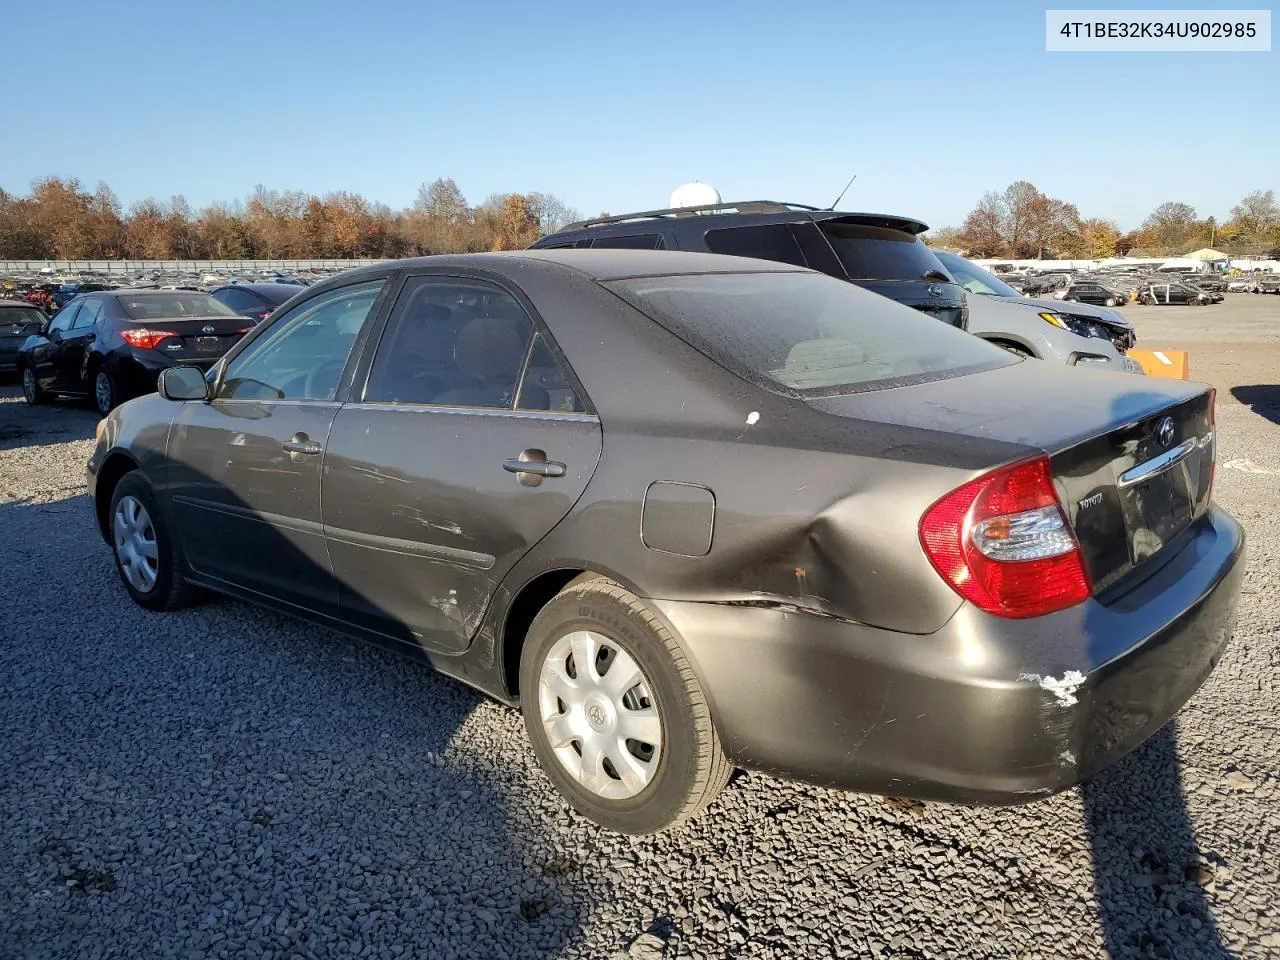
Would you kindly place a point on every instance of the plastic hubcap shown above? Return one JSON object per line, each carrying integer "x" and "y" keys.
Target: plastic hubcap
{"x": 135, "y": 541}
{"x": 599, "y": 716}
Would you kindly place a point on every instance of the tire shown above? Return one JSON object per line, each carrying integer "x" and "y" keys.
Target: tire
{"x": 31, "y": 389}
{"x": 164, "y": 588}
{"x": 106, "y": 396}
{"x": 685, "y": 770}
{"x": 1110, "y": 302}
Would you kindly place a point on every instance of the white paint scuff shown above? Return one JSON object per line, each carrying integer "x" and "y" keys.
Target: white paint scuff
{"x": 1064, "y": 687}
{"x": 753, "y": 418}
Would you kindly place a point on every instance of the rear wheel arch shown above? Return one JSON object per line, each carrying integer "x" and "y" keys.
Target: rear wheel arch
{"x": 524, "y": 606}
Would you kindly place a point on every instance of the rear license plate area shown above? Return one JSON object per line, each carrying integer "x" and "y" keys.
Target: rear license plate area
{"x": 1158, "y": 509}
{"x": 208, "y": 344}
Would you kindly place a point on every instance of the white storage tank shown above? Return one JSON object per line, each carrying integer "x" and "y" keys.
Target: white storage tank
{"x": 695, "y": 194}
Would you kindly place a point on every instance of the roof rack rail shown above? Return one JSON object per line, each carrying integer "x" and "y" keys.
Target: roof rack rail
{"x": 741, "y": 206}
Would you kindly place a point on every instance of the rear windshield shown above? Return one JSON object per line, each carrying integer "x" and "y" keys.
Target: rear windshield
{"x": 173, "y": 306}
{"x": 807, "y": 334}
{"x": 875, "y": 253}
{"x": 20, "y": 315}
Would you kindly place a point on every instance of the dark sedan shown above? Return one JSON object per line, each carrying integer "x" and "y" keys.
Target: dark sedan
{"x": 256, "y": 300}
{"x": 1098, "y": 294}
{"x": 18, "y": 321}
{"x": 1176, "y": 291}
{"x": 112, "y": 345}
{"x": 696, "y": 512}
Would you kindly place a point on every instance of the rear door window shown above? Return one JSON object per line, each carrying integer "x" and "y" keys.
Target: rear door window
{"x": 452, "y": 342}
{"x": 88, "y": 313}
{"x": 637, "y": 241}
{"x": 768, "y": 241}
{"x": 545, "y": 385}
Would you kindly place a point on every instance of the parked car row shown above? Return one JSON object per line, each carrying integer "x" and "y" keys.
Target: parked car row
{"x": 836, "y": 538}
{"x": 879, "y": 253}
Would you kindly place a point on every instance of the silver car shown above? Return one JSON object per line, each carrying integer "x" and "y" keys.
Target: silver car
{"x": 1077, "y": 334}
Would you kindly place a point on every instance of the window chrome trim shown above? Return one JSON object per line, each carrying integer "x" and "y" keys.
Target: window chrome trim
{"x": 264, "y": 402}
{"x": 1157, "y": 465}
{"x": 474, "y": 411}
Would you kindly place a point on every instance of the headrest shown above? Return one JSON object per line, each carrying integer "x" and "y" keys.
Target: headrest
{"x": 489, "y": 347}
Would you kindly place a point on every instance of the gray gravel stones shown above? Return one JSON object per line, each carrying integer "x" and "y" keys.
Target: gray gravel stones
{"x": 226, "y": 782}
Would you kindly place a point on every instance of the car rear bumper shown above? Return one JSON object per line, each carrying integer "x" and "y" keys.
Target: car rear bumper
{"x": 983, "y": 711}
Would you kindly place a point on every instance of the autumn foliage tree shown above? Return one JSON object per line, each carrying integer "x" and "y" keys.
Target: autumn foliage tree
{"x": 63, "y": 220}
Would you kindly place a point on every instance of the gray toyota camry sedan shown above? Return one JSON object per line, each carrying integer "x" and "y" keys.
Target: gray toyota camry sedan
{"x": 692, "y": 513}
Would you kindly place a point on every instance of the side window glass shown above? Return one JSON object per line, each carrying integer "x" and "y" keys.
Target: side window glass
{"x": 88, "y": 313}
{"x": 451, "y": 342}
{"x": 303, "y": 354}
{"x": 640, "y": 241}
{"x": 545, "y": 386}
{"x": 767, "y": 242}
{"x": 65, "y": 318}
{"x": 239, "y": 300}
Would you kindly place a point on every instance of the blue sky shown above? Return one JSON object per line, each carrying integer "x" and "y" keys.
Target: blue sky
{"x": 612, "y": 106}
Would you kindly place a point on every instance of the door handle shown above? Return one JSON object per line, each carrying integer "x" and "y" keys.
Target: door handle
{"x": 301, "y": 446}
{"x": 532, "y": 465}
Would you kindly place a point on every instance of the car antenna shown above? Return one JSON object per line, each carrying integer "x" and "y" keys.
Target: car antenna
{"x": 843, "y": 192}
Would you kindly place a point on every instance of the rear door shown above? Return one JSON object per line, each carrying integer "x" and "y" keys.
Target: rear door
{"x": 469, "y": 442}
{"x": 245, "y": 467}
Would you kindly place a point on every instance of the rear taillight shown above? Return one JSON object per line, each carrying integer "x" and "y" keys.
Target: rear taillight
{"x": 243, "y": 330}
{"x": 145, "y": 337}
{"x": 1003, "y": 543}
{"x": 263, "y": 315}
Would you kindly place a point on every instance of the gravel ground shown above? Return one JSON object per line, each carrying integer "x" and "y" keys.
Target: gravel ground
{"x": 225, "y": 782}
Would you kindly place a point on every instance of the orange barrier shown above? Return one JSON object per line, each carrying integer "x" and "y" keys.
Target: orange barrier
{"x": 1174, "y": 364}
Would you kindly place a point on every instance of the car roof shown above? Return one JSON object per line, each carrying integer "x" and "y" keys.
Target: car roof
{"x": 264, "y": 287}
{"x": 599, "y": 264}
{"x": 18, "y": 303}
{"x": 741, "y": 213}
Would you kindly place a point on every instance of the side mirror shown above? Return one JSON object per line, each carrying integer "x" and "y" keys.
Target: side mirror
{"x": 183, "y": 383}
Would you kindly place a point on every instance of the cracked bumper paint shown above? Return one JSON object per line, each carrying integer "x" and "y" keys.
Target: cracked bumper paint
{"x": 983, "y": 711}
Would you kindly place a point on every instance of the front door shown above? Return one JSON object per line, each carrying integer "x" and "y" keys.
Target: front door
{"x": 468, "y": 444}
{"x": 52, "y": 369}
{"x": 76, "y": 344}
{"x": 245, "y": 467}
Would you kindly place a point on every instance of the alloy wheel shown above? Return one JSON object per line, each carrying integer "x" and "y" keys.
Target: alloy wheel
{"x": 102, "y": 391}
{"x": 29, "y": 389}
{"x": 599, "y": 716}
{"x": 135, "y": 541}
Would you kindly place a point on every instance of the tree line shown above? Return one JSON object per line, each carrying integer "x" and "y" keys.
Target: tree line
{"x": 63, "y": 220}
{"x": 1021, "y": 222}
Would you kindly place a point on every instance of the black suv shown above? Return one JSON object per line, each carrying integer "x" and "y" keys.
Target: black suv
{"x": 881, "y": 253}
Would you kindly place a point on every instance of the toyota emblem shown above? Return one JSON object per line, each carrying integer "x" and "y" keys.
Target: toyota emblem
{"x": 935, "y": 290}
{"x": 1164, "y": 432}
{"x": 208, "y": 328}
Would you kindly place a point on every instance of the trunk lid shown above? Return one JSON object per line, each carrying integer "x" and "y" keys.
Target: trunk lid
{"x": 1133, "y": 461}
{"x": 195, "y": 339}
